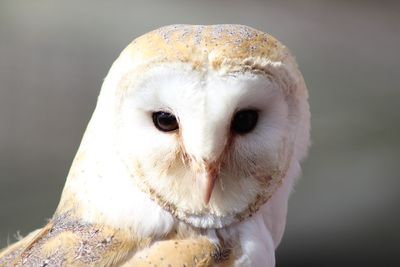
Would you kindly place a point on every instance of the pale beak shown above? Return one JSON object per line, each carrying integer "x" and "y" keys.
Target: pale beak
{"x": 211, "y": 174}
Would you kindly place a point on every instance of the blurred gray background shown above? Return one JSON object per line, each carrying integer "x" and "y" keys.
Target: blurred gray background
{"x": 345, "y": 210}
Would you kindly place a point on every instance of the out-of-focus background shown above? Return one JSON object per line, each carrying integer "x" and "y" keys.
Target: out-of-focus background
{"x": 345, "y": 210}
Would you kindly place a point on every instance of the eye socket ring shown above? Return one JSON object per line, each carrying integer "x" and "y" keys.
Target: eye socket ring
{"x": 244, "y": 121}
{"x": 165, "y": 121}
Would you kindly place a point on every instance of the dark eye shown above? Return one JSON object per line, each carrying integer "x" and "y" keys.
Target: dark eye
{"x": 165, "y": 121}
{"x": 244, "y": 121}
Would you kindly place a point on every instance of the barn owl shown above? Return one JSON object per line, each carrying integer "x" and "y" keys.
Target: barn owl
{"x": 189, "y": 157}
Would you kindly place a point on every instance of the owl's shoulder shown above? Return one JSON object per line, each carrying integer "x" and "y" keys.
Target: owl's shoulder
{"x": 66, "y": 242}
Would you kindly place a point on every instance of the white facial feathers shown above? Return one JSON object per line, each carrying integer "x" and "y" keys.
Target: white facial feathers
{"x": 204, "y": 105}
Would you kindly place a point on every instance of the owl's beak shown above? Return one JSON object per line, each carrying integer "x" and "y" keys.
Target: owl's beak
{"x": 209, "y": 189}
{"x": 211, "y": 173}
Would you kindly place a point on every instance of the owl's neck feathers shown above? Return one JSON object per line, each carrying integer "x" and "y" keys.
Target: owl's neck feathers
{"x": 100, "y": 190}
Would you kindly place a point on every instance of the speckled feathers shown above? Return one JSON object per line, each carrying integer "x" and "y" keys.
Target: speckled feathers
{"x": 205, "y": 46}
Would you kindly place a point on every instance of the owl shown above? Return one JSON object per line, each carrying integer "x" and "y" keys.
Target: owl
{"x": 189, "y": 157}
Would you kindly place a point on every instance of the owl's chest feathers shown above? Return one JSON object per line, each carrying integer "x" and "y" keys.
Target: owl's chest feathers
{"x": 108, "y": 199}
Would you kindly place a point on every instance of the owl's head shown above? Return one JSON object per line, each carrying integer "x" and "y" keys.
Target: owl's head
{"x": 206, "y": 119}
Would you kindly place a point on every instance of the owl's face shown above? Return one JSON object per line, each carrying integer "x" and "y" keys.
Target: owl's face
{"x": 203, "y": 143}
{"x": 205, "y": 124}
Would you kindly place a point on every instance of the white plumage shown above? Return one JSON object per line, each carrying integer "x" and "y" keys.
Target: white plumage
{"x": 222, "y": 177}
